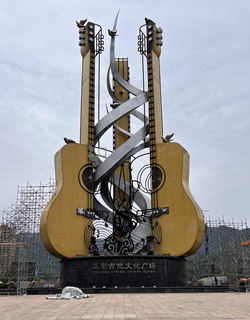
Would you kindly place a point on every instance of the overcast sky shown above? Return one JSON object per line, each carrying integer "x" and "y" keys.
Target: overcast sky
{"x": 205, "y": 72}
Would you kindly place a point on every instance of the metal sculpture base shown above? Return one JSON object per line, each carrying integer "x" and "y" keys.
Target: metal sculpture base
{"x": 131, "y": 271}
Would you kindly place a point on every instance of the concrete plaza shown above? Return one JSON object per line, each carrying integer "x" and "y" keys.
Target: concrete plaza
{"x": 228, "y": 305}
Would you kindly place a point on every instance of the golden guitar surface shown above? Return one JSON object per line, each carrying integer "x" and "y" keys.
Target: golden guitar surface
{"x": 61, "y": 229}
{"x": 183, "y": 227}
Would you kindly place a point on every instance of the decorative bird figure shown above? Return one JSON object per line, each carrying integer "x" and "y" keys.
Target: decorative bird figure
{"x": 149, "y": 20}
{"x": 112, "y": 33}
{"x": 81, "y": 23}
{"x": 68, "y": 140}
{"x": 167, "y": 138}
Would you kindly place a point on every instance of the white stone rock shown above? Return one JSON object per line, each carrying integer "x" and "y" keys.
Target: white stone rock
{"x": 69, "y": 293}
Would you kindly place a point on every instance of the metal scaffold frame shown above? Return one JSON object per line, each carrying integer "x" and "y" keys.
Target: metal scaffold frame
{"x": 221, "y": 253}
{"x": 245, "y": 246}
{"x": 20, "y": 244}
{"x": 22, "y": 268}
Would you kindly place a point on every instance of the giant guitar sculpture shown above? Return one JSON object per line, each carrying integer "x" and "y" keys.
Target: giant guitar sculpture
{"x": 100, "y": 205}
{"x": 61, "y": 227}
{"x": 183, "y": 225}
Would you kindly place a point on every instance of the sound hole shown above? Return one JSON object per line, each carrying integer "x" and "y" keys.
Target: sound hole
{"x": 85, "y": 178}
{"x": 157, "y": 178}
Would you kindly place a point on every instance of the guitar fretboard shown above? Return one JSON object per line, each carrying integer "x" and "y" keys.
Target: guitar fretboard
{"x": 152, "y": 141}
{"x": 91, "y": 127}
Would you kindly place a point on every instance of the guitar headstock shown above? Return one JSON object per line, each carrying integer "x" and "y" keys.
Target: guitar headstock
{"x": 154, "y": 37}
{"x": 86, "y": 37}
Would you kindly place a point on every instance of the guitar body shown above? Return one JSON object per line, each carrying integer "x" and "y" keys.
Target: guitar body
{"x": 61, "y": 229}
{"x": 183, "y": 227}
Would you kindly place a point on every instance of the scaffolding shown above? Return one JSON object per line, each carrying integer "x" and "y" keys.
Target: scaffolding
{"x": 22, "y": 255}
{"x": 221, "y": 251}
{"x": 245, "y": 247}
{"x": 7, "y": 249}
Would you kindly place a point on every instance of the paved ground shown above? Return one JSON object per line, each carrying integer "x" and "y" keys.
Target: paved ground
{"x": 129, "y": 306}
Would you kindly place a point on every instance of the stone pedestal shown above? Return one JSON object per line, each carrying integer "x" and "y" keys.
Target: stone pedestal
{"x": 123, "y": 271}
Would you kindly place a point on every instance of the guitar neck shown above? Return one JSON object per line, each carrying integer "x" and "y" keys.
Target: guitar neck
{"x": 88, "y": 100}
{"x": 155, "y": 105}
{"x": 119, "y": 138}
{"x": 87, "y": 123}
{"x": 154, "y": 111}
